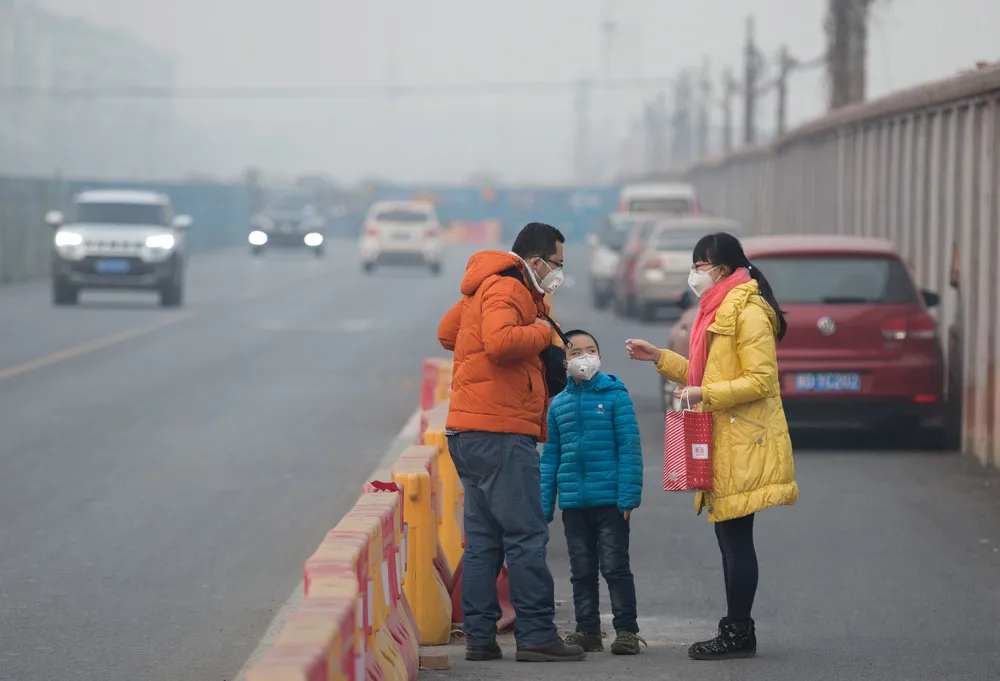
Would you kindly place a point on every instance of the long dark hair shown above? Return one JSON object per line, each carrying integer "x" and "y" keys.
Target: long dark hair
{"x": 726, "y": 250}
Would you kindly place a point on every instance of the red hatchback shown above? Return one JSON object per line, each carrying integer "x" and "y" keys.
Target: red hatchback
{"x": 862, "y": 351}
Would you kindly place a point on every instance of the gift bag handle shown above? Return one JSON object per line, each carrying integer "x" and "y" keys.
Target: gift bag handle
{"x": 686, "y": 396}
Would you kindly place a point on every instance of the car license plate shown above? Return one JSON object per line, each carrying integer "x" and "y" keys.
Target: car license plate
{"x": 401, "y": 236}
{"x": 828, "y": 382}
{"x": 112, "y": 266}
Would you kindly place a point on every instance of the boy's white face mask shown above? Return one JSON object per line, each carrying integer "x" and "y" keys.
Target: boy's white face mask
{"x": 584, "y": 367}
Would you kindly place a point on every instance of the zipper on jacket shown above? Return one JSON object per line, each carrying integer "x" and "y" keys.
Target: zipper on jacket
{"x": 736, "y": 417}
{"x": 579, "y": 440}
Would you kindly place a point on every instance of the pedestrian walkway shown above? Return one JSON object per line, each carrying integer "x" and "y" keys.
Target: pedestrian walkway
{"x": 886, "y": 569}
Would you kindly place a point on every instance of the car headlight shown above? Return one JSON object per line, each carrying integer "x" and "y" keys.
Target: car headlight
{"x": 161, "y": 241}
{"x": 68, "y": 239}
{"x": 313, "y": 239}
{"x": 257, "y": 238}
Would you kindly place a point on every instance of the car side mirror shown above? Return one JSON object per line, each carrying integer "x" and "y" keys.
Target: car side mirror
{"x": 931, "y": 299}
{"x": 183, "y": 222}
{"x": 687, "y": 300}
{"x": 54, "y": 218}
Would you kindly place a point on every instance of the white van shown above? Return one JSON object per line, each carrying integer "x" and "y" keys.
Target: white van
{"x": 674, "y": 198}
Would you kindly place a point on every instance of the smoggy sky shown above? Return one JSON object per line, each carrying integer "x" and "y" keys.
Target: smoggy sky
{"x": 521, "y": 136}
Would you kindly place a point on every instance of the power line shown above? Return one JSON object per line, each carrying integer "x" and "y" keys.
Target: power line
{"x": 315, "y": 92}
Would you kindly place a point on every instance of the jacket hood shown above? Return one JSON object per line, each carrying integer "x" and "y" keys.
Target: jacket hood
{"x": 735, "y": 302}
{"x": 484, "y": 265}
{"x": 601, "y": 382}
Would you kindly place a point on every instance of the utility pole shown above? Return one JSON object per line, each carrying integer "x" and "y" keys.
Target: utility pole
{"x": 838, "y": 32}
{"x": 859, "y": 50}
{"x": 785, "y": 66}
{"x": 704, "y": 103}
{"x": 682, "y": 130}
{"x": 728, "y": 92}
{"x": 581, "y": 103}
{"x": 750, "y": 77}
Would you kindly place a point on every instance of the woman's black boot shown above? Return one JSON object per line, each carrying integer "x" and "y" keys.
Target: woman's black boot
{"x": 736, "y": 638}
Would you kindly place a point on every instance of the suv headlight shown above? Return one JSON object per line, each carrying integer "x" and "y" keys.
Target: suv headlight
{"x": 313, "y": 239}
{"x": 161, "y": 241}
{"x": 68, "y": 239}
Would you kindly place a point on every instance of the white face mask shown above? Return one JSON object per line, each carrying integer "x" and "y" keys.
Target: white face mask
{"x": 584, "y": 367}
{"x": 551, "y": 281}
{"x": 700, "y": 282}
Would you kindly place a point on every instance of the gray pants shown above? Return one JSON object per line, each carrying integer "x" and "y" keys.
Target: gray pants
{"x": 504, "y": 518}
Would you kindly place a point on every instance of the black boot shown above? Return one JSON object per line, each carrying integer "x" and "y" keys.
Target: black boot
{"x": 736, "y": 638}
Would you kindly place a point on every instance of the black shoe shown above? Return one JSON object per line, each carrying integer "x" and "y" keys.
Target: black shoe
{"x": 483, "y": 653}
{"x": 556, "y": 651}
{"x": 736, "y": 638}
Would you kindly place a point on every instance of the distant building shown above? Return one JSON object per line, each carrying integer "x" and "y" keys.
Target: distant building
{"x": 44, "y": 127}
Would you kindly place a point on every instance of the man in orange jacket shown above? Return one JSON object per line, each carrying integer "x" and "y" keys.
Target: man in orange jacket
{"x": 497, "y": 416}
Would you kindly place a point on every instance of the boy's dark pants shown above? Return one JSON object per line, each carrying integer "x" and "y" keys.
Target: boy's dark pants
{"x": 598, "y": 543}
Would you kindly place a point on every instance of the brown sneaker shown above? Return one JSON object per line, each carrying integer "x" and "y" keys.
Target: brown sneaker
{"x": 556, "y": 651}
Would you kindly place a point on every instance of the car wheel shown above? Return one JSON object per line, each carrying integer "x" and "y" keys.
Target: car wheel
{"x": 647, "y": 312}
{"x": 435, "y": 268}
{"x": 172, "y": 295}
{"x": 64, "y": 294}
{"x": 621, "y": 308}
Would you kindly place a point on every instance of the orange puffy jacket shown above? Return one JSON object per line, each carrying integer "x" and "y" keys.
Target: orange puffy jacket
{"x": 498, "y": 383}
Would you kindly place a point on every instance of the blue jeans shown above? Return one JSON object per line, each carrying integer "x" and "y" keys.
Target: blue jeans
{"x": 504, "y": 517}
{"x": 597, "y": 539}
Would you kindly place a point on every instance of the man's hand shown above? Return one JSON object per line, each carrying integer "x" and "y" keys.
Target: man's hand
{"x": 541, "y": 320}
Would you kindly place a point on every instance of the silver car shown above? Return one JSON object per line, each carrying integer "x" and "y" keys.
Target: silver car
{"x": 125, "y": 240}
{"x": 662, "y": 269}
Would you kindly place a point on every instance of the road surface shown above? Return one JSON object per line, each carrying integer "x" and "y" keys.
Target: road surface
{"x": 164, "y": 473}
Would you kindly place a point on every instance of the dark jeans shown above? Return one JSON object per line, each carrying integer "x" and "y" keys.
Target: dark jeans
{"x": 504, "y": 517}
{"x": 598, "y": 540}
{"x": 739, "y": 564}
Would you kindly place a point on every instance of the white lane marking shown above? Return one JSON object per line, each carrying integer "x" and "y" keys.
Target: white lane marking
{"x": 406, "y": 437}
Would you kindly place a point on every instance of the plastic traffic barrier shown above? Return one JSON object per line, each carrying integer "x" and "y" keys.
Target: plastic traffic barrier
{"x": 386, "y": 651}
{"x": 339, "y": 568}
{"x": 300, "y": 662}
{"x": 328, "y": 622}
{"x": 451, "y": 522}
{"x": 423, "y": 584}
{"x": 388, "y": 615}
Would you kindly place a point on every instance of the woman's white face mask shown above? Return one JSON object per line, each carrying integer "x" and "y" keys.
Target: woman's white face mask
{"x": 701, "y": 281}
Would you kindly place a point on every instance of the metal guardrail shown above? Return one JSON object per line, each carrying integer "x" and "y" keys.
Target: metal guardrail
{"x": 920, "y": 167}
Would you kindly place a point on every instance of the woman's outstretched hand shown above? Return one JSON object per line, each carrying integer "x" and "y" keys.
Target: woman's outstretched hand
{"x": 641, "y": 350}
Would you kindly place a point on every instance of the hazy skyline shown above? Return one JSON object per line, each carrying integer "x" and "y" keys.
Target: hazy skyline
{"x": 226, "y": 43}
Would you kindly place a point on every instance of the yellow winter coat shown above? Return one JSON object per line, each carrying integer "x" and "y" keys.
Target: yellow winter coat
{"x": 752, "y": 467}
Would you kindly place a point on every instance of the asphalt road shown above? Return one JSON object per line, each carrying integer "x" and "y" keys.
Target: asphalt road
{"x": 887, "y": 568}
{"x": 164, "y": 473}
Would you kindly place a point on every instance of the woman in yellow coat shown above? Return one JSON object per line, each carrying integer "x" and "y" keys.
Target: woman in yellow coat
{"x": 732, "y": 372}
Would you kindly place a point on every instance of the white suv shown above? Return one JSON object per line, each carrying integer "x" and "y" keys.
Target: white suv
{"x": 119, "y": 240}
{"x": 401, "y": 233}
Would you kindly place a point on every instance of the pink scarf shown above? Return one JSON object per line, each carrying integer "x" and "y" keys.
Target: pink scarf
{"x": 707, "y": 307}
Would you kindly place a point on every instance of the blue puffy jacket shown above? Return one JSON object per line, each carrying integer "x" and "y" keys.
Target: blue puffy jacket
{"x": 593, "y": 456}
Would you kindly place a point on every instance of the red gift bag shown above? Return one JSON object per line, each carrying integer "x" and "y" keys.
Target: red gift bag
{"x": 687, "y": 451}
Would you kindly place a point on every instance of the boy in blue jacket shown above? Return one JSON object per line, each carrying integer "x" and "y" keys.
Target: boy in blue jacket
{"x": 593, "y": 463}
